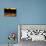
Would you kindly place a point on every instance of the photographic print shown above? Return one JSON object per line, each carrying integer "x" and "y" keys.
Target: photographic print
{"x": 9, "y": 11}
{"x": 33, "y": 32}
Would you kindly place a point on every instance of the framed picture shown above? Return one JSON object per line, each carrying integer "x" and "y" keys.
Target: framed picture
{"x": 32, "y": 32}
{"x": 9, "y": 11}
